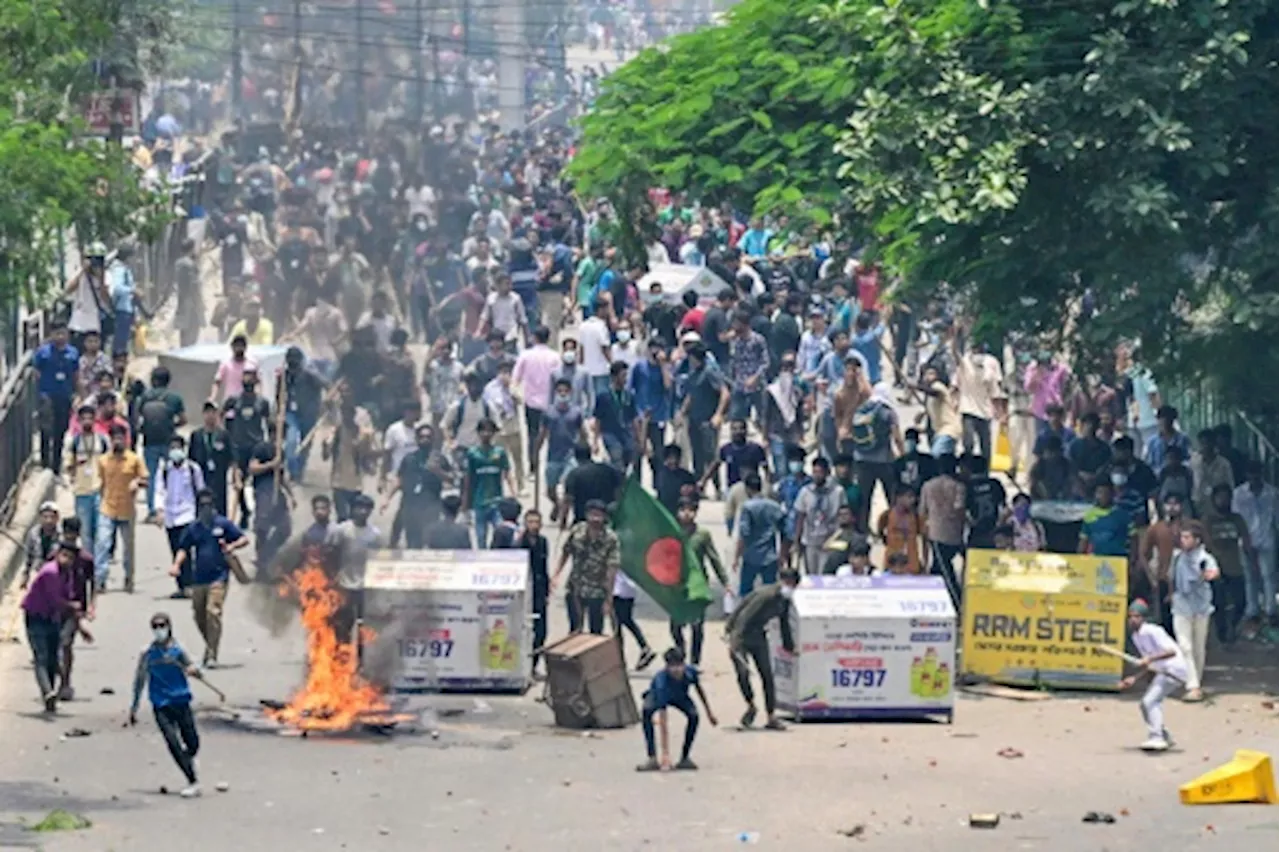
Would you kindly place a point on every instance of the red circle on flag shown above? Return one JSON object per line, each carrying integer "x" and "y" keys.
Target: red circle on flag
{"x": 664, "y": 561}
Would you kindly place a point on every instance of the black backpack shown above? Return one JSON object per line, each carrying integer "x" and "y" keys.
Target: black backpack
{"x": 155, "y": 417}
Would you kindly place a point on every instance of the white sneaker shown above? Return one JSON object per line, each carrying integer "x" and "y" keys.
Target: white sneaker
{"x": 1155, "y": 744}
{"x": 190, "y": 792}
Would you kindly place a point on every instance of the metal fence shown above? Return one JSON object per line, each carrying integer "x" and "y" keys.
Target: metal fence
{"x": 1200, "y": 407}
{"x": 18, "y": 431}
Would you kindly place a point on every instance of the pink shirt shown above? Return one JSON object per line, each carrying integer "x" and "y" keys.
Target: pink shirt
{"x": 1045, "y": 386}
{"x": 102, "y": 427}
{"x": 532, "y": 375}
{"x": 231, "y": 375}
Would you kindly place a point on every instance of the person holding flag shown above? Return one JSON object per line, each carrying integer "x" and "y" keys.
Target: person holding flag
{"x": 698, "y": 543}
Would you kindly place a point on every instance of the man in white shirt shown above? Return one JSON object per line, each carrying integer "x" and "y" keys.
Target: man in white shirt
{"x": 503, "y": 311}
{"x": 595, "y": 345}
{"x": 324, "y": 330}
{"x": 1161, "y": 657}
{"x": 398, "y": 442}
{"x": 177, "y": 485}
{"x": 978, "y": 383}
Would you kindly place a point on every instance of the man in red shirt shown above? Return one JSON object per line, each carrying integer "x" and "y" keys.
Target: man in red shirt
{"x": 692, "y": 320}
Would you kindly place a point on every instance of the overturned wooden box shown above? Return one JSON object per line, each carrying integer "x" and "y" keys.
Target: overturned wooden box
{"x": 587, "y": 685}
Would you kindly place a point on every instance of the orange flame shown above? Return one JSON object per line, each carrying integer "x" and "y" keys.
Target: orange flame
{"x": 335, "y": 697}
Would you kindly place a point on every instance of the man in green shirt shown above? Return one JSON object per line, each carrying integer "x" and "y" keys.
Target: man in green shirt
{"x": 585, "y": 276}
{"x": 704, "y": 550}
{"x": 748, "y": 641}
{"x": 486, "y": 468}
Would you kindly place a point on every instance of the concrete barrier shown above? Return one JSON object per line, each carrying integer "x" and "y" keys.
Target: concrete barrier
{"x": 38, "y": 487}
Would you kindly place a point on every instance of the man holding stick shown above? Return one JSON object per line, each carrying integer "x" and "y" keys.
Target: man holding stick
{"x": 1161, "y": 658}
{"x": 163, "y": 667}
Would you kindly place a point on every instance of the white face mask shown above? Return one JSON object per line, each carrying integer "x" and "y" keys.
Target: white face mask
{"x": 787, "y": 592}
{"x": 161, "y": 634}
{"x": 177, "y": 456}
{"x": 624, "y": 335}
{"x": 569, "y": 357}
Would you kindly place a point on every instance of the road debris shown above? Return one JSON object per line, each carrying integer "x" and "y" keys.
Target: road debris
{"x": 1009, "y": 753}
{"x": 856, "y": 831}
{"x": 984, "y": 820}
{"x": 62, "y": 820}
{"x": 1098, "y": 817}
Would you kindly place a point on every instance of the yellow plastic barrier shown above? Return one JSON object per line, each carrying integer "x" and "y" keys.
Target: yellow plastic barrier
{"x": 1247, "y": 777}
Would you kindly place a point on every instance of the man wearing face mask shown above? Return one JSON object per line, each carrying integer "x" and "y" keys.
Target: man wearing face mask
{"x": 913, "y": 468}
{"x": 783, "y": 414}
{"x": 817, "y": 509}
{"x": 705, "y": 402}
{"x": 1133, "y": 483}
{"x": 164, "y": 667}
{"x": 748, "y": 642}
{"x": 179, "y": 481}
{"x": 662, "y": 316}
{"x": 206, "y": 543}
{"x": 572, "y": 371}
{"x": 248, "y": 419}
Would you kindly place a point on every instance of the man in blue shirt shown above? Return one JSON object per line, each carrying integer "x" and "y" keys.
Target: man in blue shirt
{"x": 670, "y": 688}
{"x": 207, "y": 543}
{"x": 866, "y": 342}
{"x": 760, "y": 523}
{"x": 616, "y": 420}
{"x": 650, "y": 385}
{"x": 163, "y": 667}
{"x": 122, "y": 288}
{"x": 56, "y": 362}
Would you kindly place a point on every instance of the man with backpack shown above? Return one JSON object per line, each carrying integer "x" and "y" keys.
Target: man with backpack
{"x": 160, "y": 413}
{"x": 877, "y": 438}
{"x": 180, "y": 480}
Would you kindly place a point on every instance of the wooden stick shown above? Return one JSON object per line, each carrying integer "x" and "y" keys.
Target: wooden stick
{"x": 279, "y": 439}
{"x": 1129, "y": 658}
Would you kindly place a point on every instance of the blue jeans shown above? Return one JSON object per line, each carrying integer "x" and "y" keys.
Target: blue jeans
{"x": 107, "y": 528}
{"x": 486, "y": 518}
{"x": 599, "y": 385}
{"x": 943, "y": 445}
{"x": 742, "y": 402}
{"x": 768, "y": 575}
{"x": 778, "y": 457}
{"x": 684, "y": 705}
{"x": 87, "y": 512}
{"x": 152, "y": 456}
{"x": 294, "y": 430}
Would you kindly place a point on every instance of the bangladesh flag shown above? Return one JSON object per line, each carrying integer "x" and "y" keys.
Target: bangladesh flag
{"x": 654, "y": 555}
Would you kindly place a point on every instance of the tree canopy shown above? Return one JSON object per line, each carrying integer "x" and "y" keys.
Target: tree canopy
{"x": 1038, "y": 156}
{"x": 52, "y": 176}
{"x": 746, "y": 112}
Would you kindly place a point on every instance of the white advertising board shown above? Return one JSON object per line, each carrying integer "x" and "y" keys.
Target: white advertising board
{"x": 868, "y": 647}
{"x": 459, "y": 618}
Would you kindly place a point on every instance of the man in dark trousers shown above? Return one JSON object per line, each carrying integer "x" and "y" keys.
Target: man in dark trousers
{"x": 745, "y": 633}
{"x": 56, "y": 363}
{"x": 248, "y": 419}
{"x": 211, "y": 449}
{"x": 532, "y": 540}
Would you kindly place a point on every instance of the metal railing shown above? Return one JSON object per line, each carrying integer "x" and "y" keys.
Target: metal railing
{"x": 18, "y": 431}
{"x": 1200, "y": 407}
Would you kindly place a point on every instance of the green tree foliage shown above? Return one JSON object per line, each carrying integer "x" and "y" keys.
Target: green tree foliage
{"x": 1029, "y": 153}
{"x": 745, "y": 112}
{"x": 51, "y": 176}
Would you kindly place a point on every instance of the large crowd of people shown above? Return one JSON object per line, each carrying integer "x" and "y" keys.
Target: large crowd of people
{"x": 845, "y": 430}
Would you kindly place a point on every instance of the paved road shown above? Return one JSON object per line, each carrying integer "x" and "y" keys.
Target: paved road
{"x": 506, "y": 779}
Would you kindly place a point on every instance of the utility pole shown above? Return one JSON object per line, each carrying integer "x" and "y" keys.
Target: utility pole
{"x": 237, "y": 69}
{"x": 295, "y": 97}
{"x": 420, "y": 84}
{"x": 437, "y": 84}
{"x": 362, "y": 123}
{"x": 512, "y": 40}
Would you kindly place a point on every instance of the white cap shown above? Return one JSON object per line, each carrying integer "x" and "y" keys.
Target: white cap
{"x": 48, "y": 506}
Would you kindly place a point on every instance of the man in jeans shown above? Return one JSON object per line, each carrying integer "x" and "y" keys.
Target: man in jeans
{"x": 81, "y": 459}
{"x": 180, "y": 481}
{"x": 121, "y": 473}
{"x": 160, "y": 413}
{"x": 706, "y": 398}
{"x": 759, "y": 525}
{"x": 207, "y": 542}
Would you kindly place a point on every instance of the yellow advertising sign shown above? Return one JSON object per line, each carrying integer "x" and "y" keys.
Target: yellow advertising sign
{"x": 1032, "y": 618}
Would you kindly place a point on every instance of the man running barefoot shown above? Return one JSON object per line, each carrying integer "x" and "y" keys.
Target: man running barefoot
{"x": 670, "y": 688}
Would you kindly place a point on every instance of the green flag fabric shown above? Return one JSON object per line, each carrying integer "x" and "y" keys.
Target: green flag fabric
{"x": 655, "y": 557}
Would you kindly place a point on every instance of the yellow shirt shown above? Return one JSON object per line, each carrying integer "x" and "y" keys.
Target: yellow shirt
{"x": 116, "y": 472}
{"x": 263, "y": 335}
